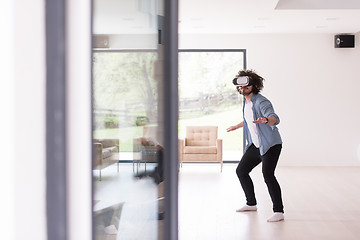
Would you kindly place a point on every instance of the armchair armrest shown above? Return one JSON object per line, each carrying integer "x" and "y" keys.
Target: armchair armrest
{"x": 137, "y": 144}
{"x": 219, "y": 146}
{"x": 181, "y": 149}
{"x": 97, "y": 154}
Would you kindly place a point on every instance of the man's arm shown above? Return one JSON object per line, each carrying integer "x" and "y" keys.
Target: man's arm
{"x": 232, "y": 128}
{"x": 267, "y": 110}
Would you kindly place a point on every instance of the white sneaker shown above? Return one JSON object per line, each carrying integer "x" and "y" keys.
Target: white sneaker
{"x": 246, "y": 208}
{"x": 278, "y": 216}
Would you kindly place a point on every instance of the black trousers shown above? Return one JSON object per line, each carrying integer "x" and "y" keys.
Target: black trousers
{"x": 269, "y": 160}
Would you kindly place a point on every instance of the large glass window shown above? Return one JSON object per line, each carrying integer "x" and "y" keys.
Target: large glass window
{"x": 208, "y": 97}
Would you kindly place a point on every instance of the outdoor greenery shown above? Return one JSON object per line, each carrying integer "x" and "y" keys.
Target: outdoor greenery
{"x": 124, "y": 85}
{"x": 126, "y": 93}
{"x": 208, "y": 73}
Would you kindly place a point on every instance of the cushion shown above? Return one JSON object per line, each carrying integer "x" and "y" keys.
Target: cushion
{"x": 201, "y": 135}
{"x": 200, "y": 149}
{"x": 107, "y": 152}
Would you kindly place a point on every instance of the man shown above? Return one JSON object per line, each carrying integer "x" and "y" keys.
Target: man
{"x": 263, "y": 142}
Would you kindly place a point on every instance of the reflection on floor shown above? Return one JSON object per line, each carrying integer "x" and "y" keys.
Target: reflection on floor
{"x": 139, "y": 213}
{"x": 320, "y": 203}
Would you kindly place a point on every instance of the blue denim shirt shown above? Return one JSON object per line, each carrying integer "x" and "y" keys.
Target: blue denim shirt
{"x": 268, "y": 134}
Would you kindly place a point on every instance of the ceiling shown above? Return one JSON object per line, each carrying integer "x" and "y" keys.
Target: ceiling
{"x": 231, "y": 16}
{"x": 269, "y": 16}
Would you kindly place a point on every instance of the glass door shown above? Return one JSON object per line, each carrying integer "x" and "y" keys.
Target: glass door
{"x": 128, "y": 130}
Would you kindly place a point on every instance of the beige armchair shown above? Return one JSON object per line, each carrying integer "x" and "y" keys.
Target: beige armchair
{"x": 201, "y": 144}
{"x": 106, "y": 153}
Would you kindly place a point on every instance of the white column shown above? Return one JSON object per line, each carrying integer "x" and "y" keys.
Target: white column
{"x": 78, "y": 64}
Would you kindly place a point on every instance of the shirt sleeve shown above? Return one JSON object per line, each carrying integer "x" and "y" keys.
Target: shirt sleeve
{"x": 267, "y": 110}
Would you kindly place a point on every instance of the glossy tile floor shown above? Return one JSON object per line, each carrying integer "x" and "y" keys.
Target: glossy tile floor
{"x": 320, "y": 203}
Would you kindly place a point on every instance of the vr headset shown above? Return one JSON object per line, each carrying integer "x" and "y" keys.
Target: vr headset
{"x": 242, "y": 81}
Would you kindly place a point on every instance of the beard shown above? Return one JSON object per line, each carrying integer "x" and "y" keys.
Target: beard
{"x": 245, "y": 91}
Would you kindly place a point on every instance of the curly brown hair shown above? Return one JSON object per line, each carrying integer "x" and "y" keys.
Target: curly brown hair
{"x": 255, "y": 80}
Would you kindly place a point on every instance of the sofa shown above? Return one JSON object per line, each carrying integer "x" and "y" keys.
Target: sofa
{"x": 106, "y": 153}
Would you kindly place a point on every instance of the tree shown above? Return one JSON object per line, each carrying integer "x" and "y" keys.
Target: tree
{"x": 124, "y": 82}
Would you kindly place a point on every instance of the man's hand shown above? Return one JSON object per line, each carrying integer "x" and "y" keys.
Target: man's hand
{"x": 261, "y": 120}
{"x": 269, "y": 120}
{"x": 232, "y": 128}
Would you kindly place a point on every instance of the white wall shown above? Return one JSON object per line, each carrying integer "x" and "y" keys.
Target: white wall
{"x": 7, "y": 94}
{"x": 314, "y": 89}
{"x": 23, "y": 120}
